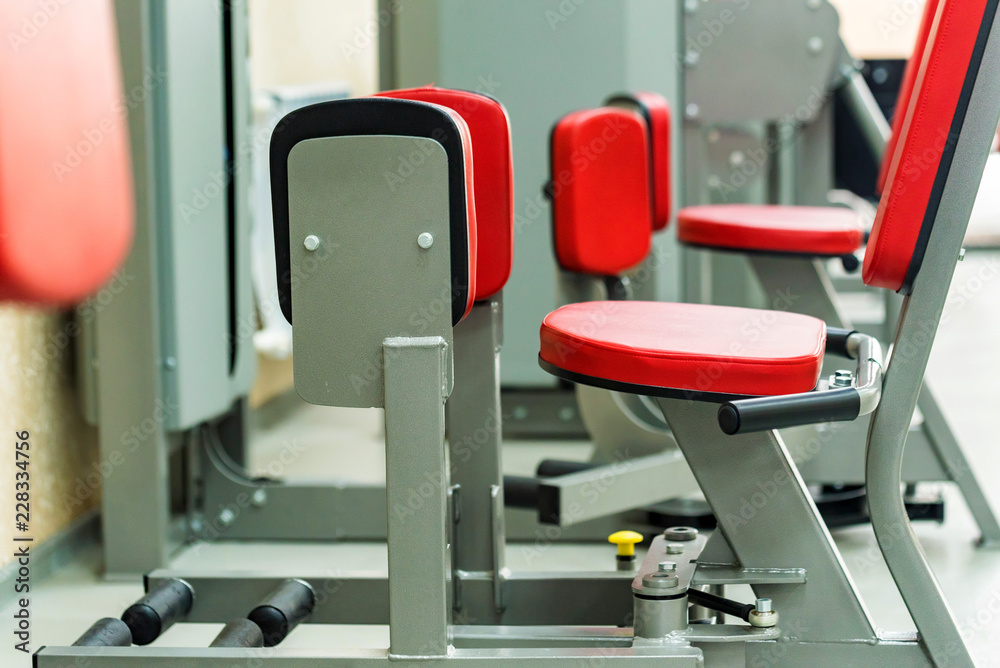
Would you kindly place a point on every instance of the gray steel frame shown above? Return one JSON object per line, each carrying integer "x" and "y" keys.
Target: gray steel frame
{"x": 933, "y": 452}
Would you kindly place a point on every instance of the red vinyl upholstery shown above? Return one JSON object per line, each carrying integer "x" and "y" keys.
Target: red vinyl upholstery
{"x": 802, "y": 230}
{"x": 602, "y": 218}
{"x": 66, "y": 208}
{"x": 926, "y": 145}
{"x": 493, "y": 177}
{"x": 688, "y": 347}
{"x": 906, "y": 88}
{"x": 655, "y": 109}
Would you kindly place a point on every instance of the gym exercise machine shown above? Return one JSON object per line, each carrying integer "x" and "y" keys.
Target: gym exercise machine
{"x": 784, "y": 551}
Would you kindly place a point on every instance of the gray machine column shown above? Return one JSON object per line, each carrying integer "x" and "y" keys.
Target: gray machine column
{"x": 475, "y": 436}
{"x": 416, "y": 483}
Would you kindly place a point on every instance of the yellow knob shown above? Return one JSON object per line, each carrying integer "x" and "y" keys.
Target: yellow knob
{"x": 625, "y": 540}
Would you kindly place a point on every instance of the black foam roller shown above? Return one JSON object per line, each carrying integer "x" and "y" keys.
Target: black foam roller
{"x": 107, "y": 632}
{"x": 282, "y": 610}
{"x": 239, "y": 633}
{"x": 157, "y": 611}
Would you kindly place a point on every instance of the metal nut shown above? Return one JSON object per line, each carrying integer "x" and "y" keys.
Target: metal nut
{"x": 660, "y": 581}
{"x": 680, "y": 534}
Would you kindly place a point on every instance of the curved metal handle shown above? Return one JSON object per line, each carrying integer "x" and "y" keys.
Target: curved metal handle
{"x": 837, "y": 404}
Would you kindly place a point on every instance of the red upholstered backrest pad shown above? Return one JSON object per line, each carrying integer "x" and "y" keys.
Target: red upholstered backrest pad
{"x": 906, "y": 89}
{"x": 66, "y": 210}
{"x": 494, "y": 179}
{"x": 602, "y": 222}
{"x": 658, "y": 110}
{"x": 926, "y": 143}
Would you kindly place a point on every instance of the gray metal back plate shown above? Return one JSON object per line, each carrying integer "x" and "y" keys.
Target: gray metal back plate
{"x": 368, "y": 280}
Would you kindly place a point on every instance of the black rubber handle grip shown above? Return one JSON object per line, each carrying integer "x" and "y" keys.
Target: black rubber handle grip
{"x": 764, "y": 413}
{"x": 836, "y": 341}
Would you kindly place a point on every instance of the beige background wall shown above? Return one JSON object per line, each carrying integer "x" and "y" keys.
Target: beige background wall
{"x": 879, "y": 28}
{"x": 37, "y": 394}
{"x": 307, "y": 41}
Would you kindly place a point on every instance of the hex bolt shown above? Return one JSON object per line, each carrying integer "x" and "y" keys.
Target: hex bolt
{"x": 674, "y": 548}
{"x": 227, "y": 517}
{"x": 667, "y": 567}
{"x": 259, "y": 498}
{"x": 763, "y": 615}
{"x": 311, "y": 243}
{"x": 843, "y": 378}
{"x": 425, "y": 240}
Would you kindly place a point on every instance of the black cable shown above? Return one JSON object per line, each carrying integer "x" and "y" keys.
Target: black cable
{"x": 719, "y": 604}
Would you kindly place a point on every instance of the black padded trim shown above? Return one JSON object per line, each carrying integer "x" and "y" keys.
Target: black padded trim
{"x": 371, "y": 116}
{"x": 951, "y": 146}
{"x": 642, "y": 390}
{"x": 755, "y": 251}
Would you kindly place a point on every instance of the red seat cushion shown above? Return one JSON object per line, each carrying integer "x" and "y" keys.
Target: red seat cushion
{"x": 655, "y": 109}
{"x": 688, "y": 347}
{"x": 906, "y": 88}
{"x": 602, "y": 218}
{"x": 926, "y": 144}
{"x": 493, "y": 179}
{"x": 66, "y": 209}
{"x": 815, "y": 231}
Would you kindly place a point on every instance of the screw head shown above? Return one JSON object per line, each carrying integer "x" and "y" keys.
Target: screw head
{"x": 815, "y": 44}
{"x": 425, "y": 240}
{"x": 311, "y": 242}
{"x": 259, "y": 498}
{"x": 170, "y": 363}
{"x": 227, "y": 517}
{"x": 692, "y": 110}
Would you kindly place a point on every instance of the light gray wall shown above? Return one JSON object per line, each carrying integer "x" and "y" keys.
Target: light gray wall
{"x": 542, "y": 59}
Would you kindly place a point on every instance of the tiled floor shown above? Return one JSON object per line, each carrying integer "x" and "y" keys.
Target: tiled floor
{"x": 965, "y": 371}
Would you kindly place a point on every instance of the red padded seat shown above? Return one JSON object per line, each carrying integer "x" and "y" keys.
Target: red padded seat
{"x": 493, "y": 178}
{"x": 655, "y": 109}
{"x": 687, "y": 347}
{"x": 601, "y": 213}
{"x": 800, "y": 230}
{"x": 926, "y": 144}
{"x": 66, "y": 208}
{"x": 906, "y": 88}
